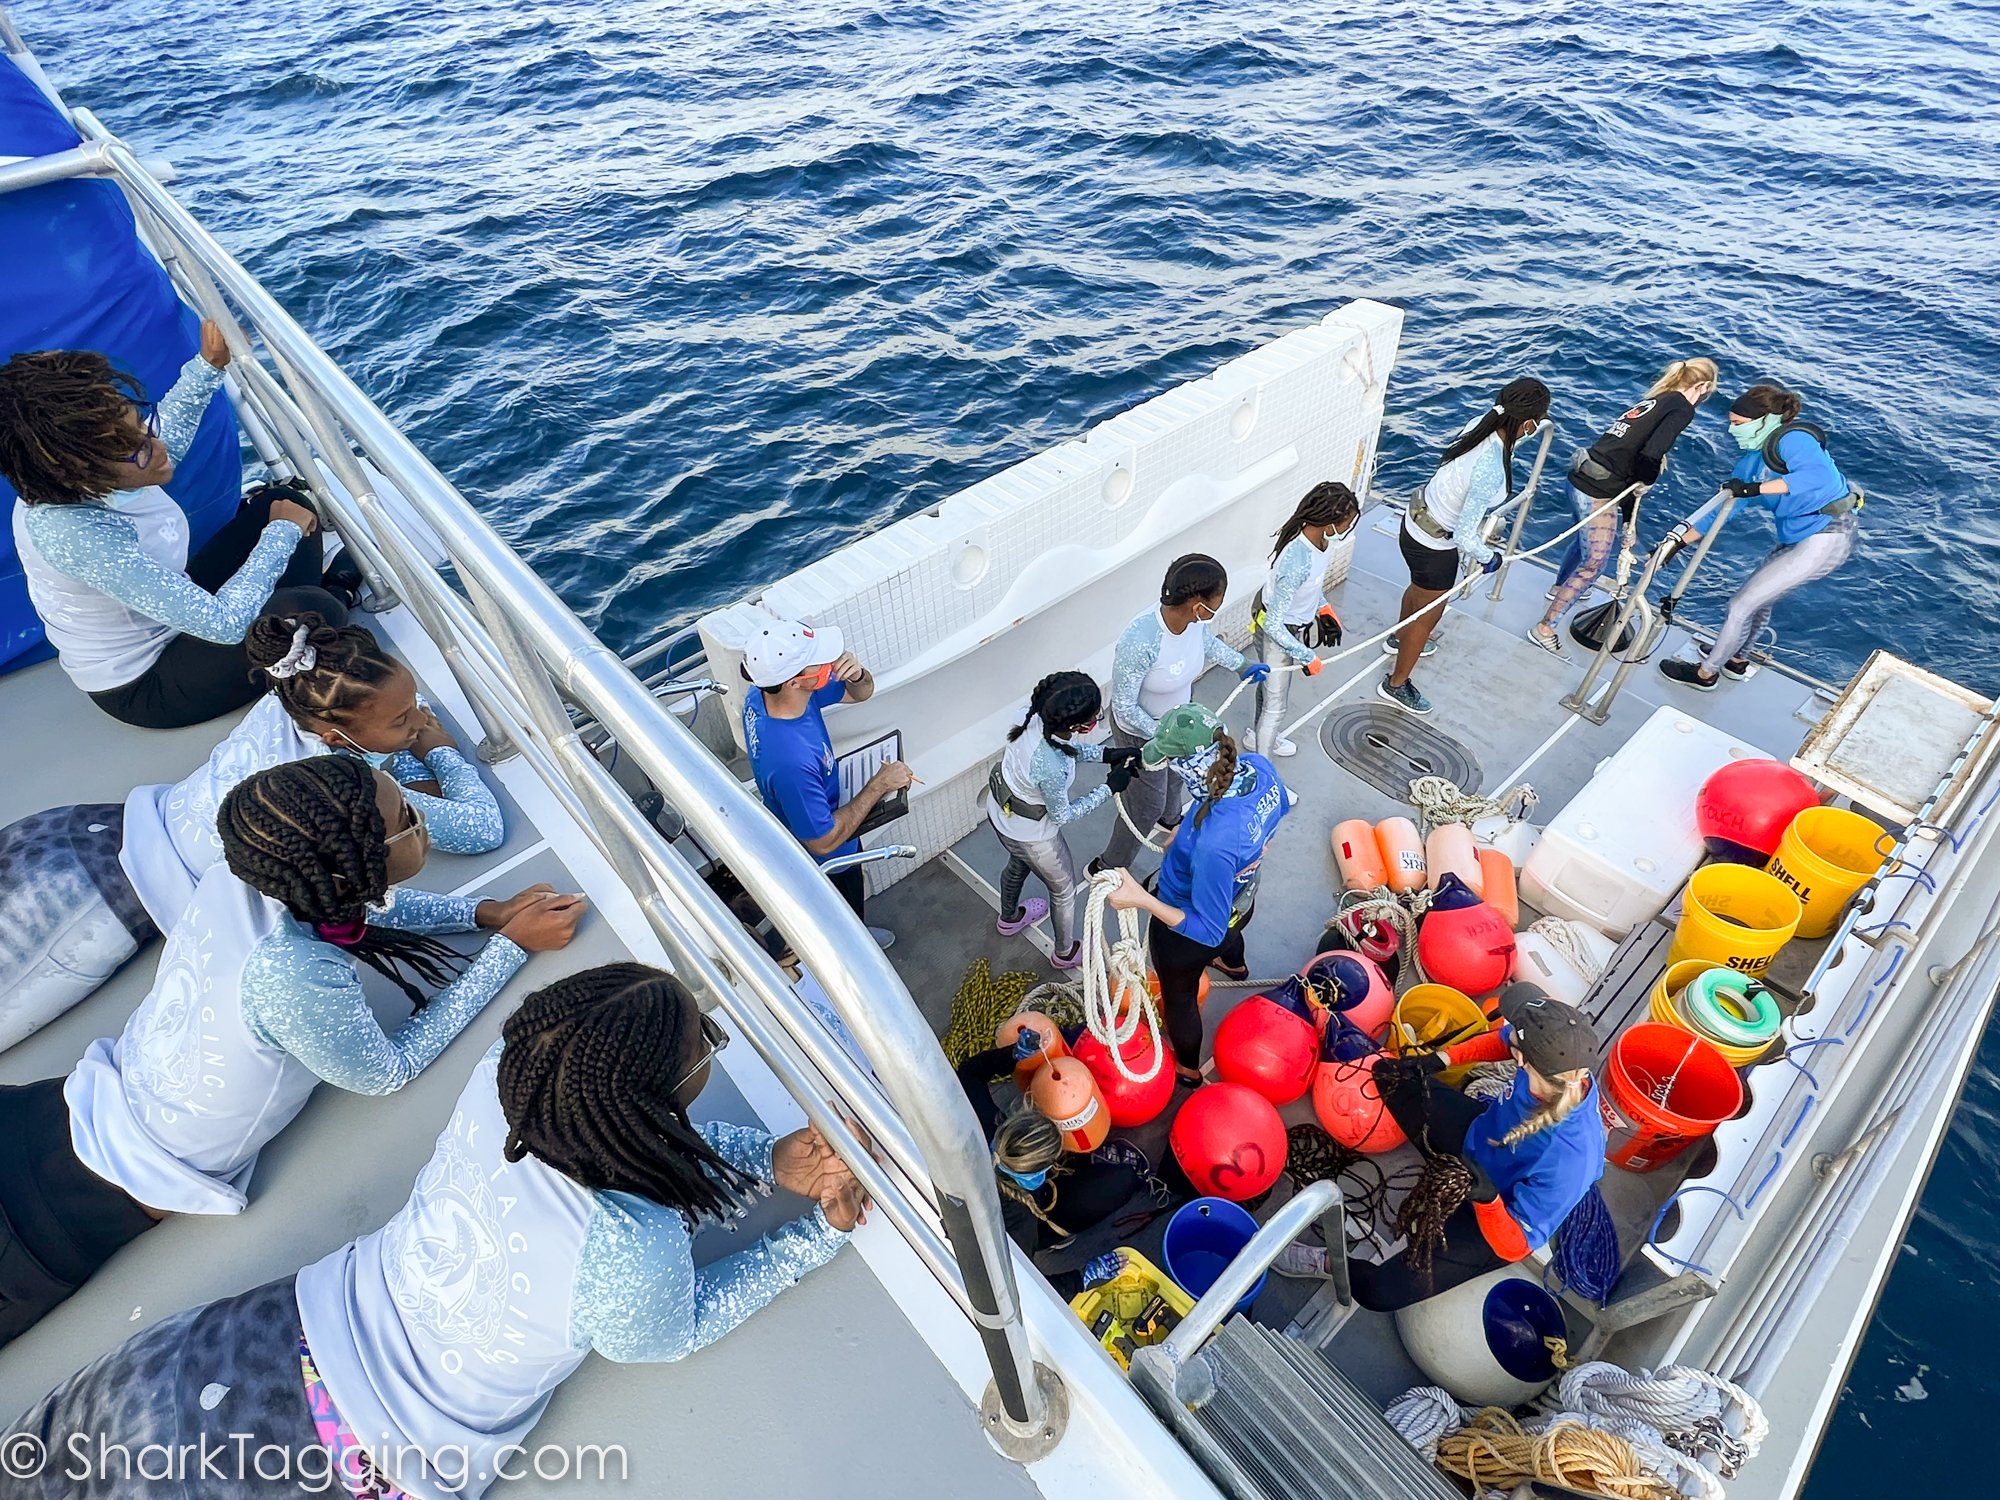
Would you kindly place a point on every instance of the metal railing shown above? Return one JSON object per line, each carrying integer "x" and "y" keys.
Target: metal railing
{"x": 532, "y": 671}
{"x": 1522, "y": 504}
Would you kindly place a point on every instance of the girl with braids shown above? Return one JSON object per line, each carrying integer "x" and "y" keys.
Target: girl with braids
{"x": 152, "y": 635}
{"x": 555, "y": 1218}
{"x": 1207, "y": 886}
{"x": 1532, "y": 1154}
{"x": 1153, "y": 669}
{"x": 257, "y": 999}
{"x": 1027, "y": 802}
{"x": 82, "y": 889}
{"x": 1293, "y": 604}
{"x": 1442, "y": 528}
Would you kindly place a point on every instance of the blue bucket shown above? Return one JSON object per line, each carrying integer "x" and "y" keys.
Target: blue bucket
{"x": 1202, "y": 1238}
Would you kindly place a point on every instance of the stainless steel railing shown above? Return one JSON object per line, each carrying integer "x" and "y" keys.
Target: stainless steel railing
{"x": 1522, "y": 504}
{"x": 531, "y": 671}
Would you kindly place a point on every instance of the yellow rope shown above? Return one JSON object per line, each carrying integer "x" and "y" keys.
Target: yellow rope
{"x": 983, "y": 1001}
{"x": 1496, "y": 1452}
{"x": 1558, "y": 1348}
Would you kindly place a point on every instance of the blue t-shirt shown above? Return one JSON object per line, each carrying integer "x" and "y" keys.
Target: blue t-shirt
{"x": 1205, "y": 866}
{"x": 792, "y": 763}
{"x": 1814, "y": 481}
{"x": 1545, "y": 1176}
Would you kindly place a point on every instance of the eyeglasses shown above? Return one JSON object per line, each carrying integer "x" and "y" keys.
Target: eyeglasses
{"x": 715, "y": 1039}
{"x": 149, "y": 418}
{"x": 413, "y": 822}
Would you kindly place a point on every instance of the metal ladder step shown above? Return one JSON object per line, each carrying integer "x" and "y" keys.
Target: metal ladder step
{"x": 1289, "y": 1425}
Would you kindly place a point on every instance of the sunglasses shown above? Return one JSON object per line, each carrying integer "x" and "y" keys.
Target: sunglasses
{"x": 413, "y": 822}
{"x": 714, "y": 1039}
{"x": 149, "y": 418}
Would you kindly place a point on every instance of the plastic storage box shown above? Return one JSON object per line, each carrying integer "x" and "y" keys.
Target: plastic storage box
{"x": 1627, "y": 842}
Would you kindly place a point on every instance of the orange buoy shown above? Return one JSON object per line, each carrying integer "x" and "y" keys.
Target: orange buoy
{"x": 1499, "y": 891}
{"x": 1271, "y": 1042}
{"x": 1450, "y": 851}
{"x": 1230, "y": 1140}
{"x": 1359, "y": 856}
{"x": 1044, "y": 1042}
{"x": 1347, "y": 1101}
{"x": 1067, "y": 1092}
{"x": 1402, "y": 853}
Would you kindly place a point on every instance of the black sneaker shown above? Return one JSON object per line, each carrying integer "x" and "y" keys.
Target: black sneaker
{"x": 1688, "y": 674}
{"x": 1406, "y": 697}
{"x": 1739, "y": 668}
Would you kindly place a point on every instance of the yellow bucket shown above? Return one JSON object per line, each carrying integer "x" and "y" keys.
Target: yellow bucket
{"x": 1734, "y": 917}
{"x": 1429, "y": 1016}
{"x": 1826, "y": 855}
{"x": 1665, "y": 1008}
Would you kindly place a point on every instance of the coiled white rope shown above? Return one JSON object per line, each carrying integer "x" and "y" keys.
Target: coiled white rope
{"x": 1114, "y": 969}
{"x": 1383, "y": 905}
{"x": 1560, "y": 934}
{"x": 1439, "y": 800}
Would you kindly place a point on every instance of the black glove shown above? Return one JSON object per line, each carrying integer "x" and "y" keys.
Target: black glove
{"x": 1119, "y": 778}
{"x": 1482, "y": 1190}
{"x": 1741, "y": 487}
{"x": 1123, "y": 755}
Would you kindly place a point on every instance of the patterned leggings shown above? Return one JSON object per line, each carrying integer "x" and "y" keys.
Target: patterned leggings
{"x": 1589, "y": 554}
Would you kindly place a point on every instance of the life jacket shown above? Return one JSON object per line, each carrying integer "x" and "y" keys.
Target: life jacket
{"x": 1771, "y": 459}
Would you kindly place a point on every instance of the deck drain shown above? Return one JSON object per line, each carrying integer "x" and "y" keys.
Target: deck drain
{"x": 1389, "y": 749}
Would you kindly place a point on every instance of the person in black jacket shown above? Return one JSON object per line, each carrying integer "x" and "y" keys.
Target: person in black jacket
{"x": 1632, "y": 451}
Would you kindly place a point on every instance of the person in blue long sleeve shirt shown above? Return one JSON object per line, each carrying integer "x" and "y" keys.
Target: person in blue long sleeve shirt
{"x": 1787, "y": 469}
{"x": 1208, "y": 880}
{"x": 554, "y": 1219}
{"x": 152, "y": 635}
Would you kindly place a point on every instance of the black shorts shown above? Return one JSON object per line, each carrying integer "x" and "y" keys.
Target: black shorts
{"x": 1433, "y": 568}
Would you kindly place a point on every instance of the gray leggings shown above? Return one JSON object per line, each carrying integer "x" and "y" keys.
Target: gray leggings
{"x": 1051, "y": 860}
{"x": 1274, "y": 692}
{"x": 1784, "y": 569}
{"x": 1153, "y": 797}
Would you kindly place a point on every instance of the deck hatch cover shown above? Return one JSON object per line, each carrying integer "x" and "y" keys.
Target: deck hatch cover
{"x": 1389, "y": 749}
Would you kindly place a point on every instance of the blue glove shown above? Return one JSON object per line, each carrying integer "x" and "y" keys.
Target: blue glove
{"x": 1492, "y": 564}
{"x": 1256, "y": 671}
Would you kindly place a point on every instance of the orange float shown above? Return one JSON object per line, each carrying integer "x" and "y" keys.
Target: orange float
{"x": 1067, "y": 1092}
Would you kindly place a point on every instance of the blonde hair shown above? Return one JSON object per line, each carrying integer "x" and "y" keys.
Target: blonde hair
{"x": 1028, "y": 1142}
{"x": 1682, "y": 374}
{"x": 1575, "y": 1088}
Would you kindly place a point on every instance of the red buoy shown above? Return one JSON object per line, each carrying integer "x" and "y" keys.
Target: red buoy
{"x": 1229, "y": 1140}
{"x": 1128, "y": 1103}
{"x": 1463, "y": 942}
{"x": 1744, "y": 809}
{"x": 1270, "y": 1043}
{"x": 1353, "y": 988}
{"x": 1349, "y": 1104}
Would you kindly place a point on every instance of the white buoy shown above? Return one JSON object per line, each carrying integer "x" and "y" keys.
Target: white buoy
{"x": 1484, "y": 1341}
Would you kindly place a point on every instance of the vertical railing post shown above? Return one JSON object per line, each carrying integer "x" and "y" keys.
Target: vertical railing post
{"x": 1521, "y": 509}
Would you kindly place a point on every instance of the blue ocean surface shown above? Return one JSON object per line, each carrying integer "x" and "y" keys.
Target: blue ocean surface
{"x": 686, "y": 294}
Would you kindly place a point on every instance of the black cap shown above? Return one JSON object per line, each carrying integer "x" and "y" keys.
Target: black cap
{"x": 1552, "y": 1036}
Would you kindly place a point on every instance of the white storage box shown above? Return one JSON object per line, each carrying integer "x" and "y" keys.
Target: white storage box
{"x": 1627, "y": 842}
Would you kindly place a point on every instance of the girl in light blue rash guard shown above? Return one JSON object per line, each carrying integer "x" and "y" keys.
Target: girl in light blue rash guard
{"x": 152, "y": 635}
{"x": 257, "y": 1000}
{"x": 1154, "y": 668}
{"x": 1787, "y": 468}
{"x": 1294, "y": 605}
{"x": 555, "y": 1218}
{"x": 82, "y": 889}
{"x": 1208, "y": 881}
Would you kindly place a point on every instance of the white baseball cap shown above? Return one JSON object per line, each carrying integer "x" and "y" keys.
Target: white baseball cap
{"x": 779, "y": 650}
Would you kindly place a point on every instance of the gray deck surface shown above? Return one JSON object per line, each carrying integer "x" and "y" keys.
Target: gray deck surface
{"x": 828, "y": 1392}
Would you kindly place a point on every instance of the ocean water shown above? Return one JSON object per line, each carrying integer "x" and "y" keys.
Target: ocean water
{"x": 686, "y": 294}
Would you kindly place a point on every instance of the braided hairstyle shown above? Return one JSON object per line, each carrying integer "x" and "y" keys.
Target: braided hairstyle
{"x": 589, "y": 1071}
{"x": 1221, "y": 772}
{"x": 1573, "y": 1088}
{"x": 308, "y": 835}
{"x": 1523, "y": 400}
{"x": 349, "y": 664}
{"x": 1028, "y": 1141}
{"x": 1064, "y": 702}
{"x": 1194, "y": 576}
{"x": 1328, "y": 503}
{"x": 66, "y": 425}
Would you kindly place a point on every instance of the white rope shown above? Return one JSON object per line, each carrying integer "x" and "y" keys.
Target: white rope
{"x": 1439, "y": 800}
{"x": 1112, "y": 969}
{"x": 1690, "y": 1409}
{"x": 1422, "y": 1415}
{"x": 1560, "y": 934}
{"x": 1383, "y": 905}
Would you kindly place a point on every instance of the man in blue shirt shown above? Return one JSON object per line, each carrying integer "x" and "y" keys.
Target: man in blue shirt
{"x": 795, "y": 672}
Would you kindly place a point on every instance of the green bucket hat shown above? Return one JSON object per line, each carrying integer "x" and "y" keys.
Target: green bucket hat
{"x": 1183, "y": 730}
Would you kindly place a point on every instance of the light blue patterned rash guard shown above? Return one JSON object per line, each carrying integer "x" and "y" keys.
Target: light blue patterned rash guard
{"x": 1139, "y": 650}
{"x": 465, "y": 818}
{"x": 1294, "y": 566}
{"x": 95, "y": 545}
{"x": 1053, "y": 773}
{"x": 303, "y": 995}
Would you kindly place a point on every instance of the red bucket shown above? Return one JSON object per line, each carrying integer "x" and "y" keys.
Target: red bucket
{"x": 1664, "y": 1089}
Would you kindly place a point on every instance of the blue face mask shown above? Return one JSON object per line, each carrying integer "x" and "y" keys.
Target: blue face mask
{"x": 1028, "y": 1180}
{"x": 1750, "y": 435}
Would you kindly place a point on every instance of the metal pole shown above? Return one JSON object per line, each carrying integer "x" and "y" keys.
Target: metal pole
{"x": 1521, "y": 508}
{"x": 87, "y": 160}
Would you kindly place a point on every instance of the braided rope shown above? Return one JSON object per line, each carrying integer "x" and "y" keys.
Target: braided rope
{"x": 1112, "y": 969}
{"x": 1496, "y": 1452}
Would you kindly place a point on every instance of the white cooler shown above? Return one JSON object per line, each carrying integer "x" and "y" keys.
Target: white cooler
{"x": 1627, "y": 843}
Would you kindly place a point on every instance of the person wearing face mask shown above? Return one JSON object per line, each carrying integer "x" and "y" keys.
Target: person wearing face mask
{"x": 257, "y": 1000}
{"x": 83, "y": 889}
{"x": 1154, "y": 668}
{"x": 1786, "y": 468}
{"x": 1292, "y": 608}
{"x": 795, "y": 672}
{"x": 154, "y": 636}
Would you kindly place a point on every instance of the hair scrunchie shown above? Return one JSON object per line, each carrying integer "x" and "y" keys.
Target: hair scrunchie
{"x": 299, "y": 659}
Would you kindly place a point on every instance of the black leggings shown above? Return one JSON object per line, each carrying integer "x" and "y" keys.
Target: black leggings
{"x": 1180, "y": 962}
{"x": 1441, "y": 1115}
{"x": 196, "y": 680}
{"x": 59, "y": 1221}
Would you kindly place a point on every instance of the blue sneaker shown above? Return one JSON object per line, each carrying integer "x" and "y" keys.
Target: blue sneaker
{"x": 1406, "y": 697}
